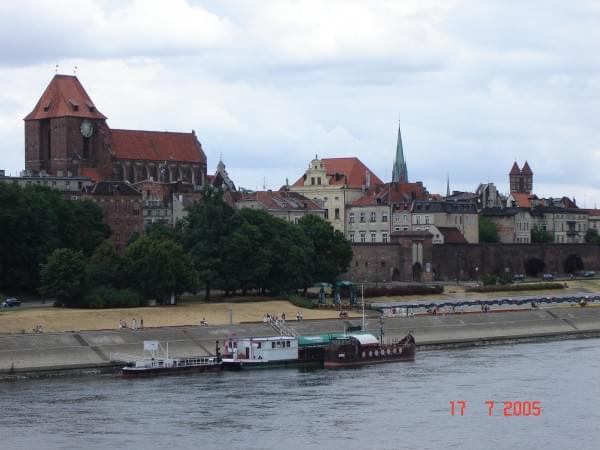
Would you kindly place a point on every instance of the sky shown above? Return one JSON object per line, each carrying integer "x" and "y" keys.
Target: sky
{"x": 267, "y": 85}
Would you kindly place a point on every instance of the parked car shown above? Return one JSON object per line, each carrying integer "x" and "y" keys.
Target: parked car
{"x": 10, "y": 302}
{"x": 589, "y": 273}
{"x": 518, "y": 277}
{"x": 547, "y": 276}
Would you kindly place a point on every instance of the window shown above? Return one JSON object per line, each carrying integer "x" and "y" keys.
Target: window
{"x": 373, "y": 237}
{"x": 373, "y": 216}
{"x": 351, "y": 217}
{"x": 296, "y": 220}
{"x": 312, "y": 180}
{"x": 426, "y": 220}
{"x": 318, "y": 180}
{"x": 327, "y": 214}
{"x": 362, "y": 217}
{"x": 384, "y": 216}
{"x": 384, "y": 237}
{"x": 418, "y": 220}
{"x": 337, "y": 213}
{"x": 405, "y": 218}
{"x": 351, "y": 237}
{"x": 362, "y": 237}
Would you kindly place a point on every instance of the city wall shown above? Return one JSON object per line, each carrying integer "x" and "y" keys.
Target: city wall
{"x": 393, "y": 262}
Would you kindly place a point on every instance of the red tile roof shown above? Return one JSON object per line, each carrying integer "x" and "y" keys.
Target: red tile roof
{"x": 523, "y": 200}
{"x": 392, "y": 194}
{"x": 515, "y": 170}
{"x": 64, "y": 97}
{"x": 593, "y": 212}
{"x": 452, "y": 235}
{"x": 90, "y": 172}
{"x": 157, "y": 146}
{"x": 352, "y": 172}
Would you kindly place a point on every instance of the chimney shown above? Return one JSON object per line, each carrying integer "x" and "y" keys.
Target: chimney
{"x": 367, "y": 179}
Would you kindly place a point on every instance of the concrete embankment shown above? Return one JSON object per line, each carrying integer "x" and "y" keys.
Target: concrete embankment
{"x": 98, "y": 350}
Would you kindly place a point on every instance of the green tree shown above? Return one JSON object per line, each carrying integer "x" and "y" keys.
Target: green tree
{"x": 35, "y": 221}
{"x": 158, "y": 267}
{"x": 540, "y": 235}
{"x": 104, "y": 267}
{"x": 63, "y": 277}
{"x": 487, "y": 230}
{"x": 592, "y": 236}
{"x": 205, "y": 234}
{"x": 332, "y": 251}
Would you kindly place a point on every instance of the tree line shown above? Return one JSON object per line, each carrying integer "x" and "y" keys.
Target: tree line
{"x": 215, "y": 247}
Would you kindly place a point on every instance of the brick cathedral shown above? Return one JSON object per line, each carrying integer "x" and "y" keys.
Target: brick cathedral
{"x": 66, "y": 135}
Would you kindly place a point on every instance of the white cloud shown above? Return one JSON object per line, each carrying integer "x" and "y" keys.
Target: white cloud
{"x": 269, "y": 84}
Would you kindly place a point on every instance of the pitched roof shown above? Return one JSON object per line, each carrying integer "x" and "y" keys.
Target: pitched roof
{"x": 64, "y": 97}
{"x": 157, "y": 146}
{"x": 452, "y": 235}
{"x": 282, "y": 200}
{"x": 112, "y": 188}
{"x": 350, "y": 171}
{"x": 515, "y": 169}
{"x": 90, "y": 172}
{"x": 526, "y": 170}
{"x": 593, "y": 212}
{"x": 521, "y": 199}
{"x": 392, "y": 193}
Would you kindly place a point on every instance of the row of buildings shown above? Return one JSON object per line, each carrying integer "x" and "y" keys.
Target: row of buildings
{"x": 142, "y": 177}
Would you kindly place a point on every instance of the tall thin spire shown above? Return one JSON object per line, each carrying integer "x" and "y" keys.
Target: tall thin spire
{"x": 447, "y": 185}
{"x": 399, "y": 172}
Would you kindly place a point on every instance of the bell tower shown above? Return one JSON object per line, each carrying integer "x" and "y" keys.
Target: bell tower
{"x": 65, "y": 132}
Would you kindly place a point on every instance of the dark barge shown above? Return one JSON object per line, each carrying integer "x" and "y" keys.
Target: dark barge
{"x": 362, "y": 349}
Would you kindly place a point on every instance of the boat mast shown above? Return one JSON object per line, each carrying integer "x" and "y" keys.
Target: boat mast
{"x": 362, "y": 295}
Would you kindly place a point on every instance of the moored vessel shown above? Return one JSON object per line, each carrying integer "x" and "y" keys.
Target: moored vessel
{"x": 153, "y": 364}
{"x": 363, "y": 349}
{"x": 261, "y": 353}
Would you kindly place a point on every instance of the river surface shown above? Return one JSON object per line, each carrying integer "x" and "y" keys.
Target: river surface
{"x": 400, "y": 405}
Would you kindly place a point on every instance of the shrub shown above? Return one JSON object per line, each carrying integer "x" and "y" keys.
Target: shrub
{"x": 411, "y": 289}
{"x": 108, "y": 297}
{"x": 516, "y": 287}
{"x": 489, "y": 280}
{"x": 301, "y": 302}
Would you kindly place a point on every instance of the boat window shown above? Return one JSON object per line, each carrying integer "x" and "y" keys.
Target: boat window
{"x": 273, "y": 344}
{"x": 258, "y": 346}
{"x": 287, "y": 343}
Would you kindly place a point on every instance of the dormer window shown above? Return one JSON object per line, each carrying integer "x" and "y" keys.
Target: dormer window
{"x": 47, "y": 107}
{"x": 74, "y": 105}
{"x": 91, "y": 107}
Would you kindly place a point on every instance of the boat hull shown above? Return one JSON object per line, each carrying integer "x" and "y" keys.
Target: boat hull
{"x": 340, "y": 364}
{"x": 132, "y": 372}
{"x": 253, "y": 364}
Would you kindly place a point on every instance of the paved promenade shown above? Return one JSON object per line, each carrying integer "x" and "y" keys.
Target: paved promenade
{"x": 27, "y": 353}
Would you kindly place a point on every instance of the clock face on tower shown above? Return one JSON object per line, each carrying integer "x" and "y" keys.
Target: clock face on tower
{"x": 86, "y": 128}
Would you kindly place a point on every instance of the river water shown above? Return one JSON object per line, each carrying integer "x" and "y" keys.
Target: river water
{"x": 400, "y": 405}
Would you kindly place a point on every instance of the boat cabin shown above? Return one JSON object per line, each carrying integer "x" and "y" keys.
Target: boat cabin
{"x": 271, "y": 348}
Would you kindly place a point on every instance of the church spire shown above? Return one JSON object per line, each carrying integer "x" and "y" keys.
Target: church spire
{"x": 447, "y": 185}
{"x": 399, "y": 172}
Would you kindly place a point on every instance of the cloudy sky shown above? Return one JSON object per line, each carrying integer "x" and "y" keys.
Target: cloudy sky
{"x": 269, "y": 84}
